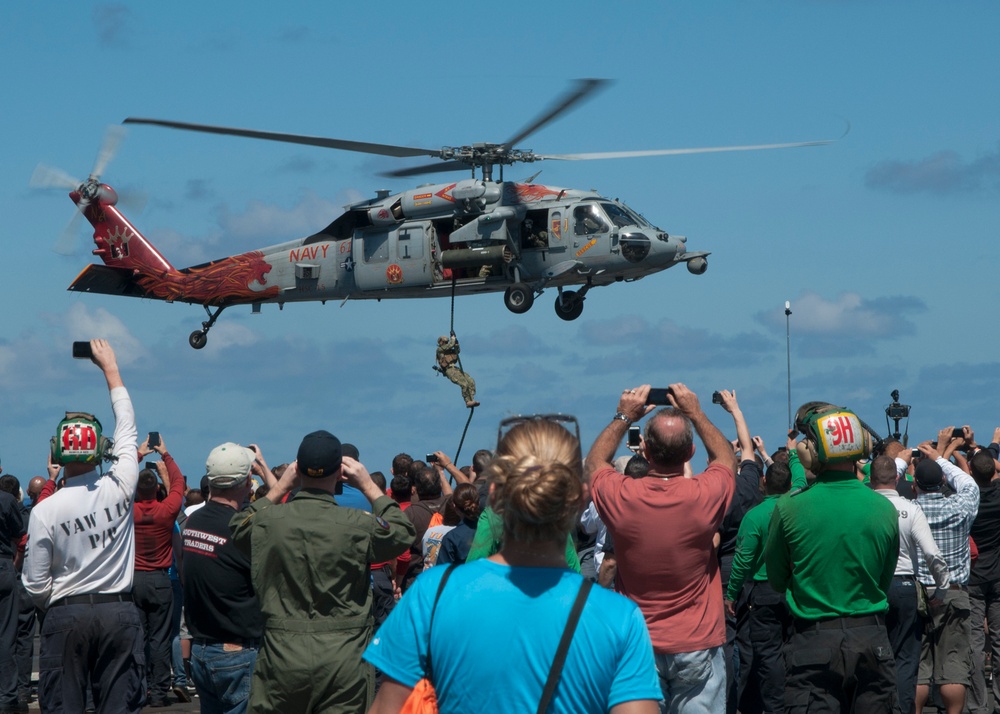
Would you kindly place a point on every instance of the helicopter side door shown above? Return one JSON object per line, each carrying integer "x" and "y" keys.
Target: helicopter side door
{"x": 590, "y": 227}
{"x": 398, "y": 257}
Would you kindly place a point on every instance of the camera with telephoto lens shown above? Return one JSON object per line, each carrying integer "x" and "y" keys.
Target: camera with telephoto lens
{"x": 896, "y": 410}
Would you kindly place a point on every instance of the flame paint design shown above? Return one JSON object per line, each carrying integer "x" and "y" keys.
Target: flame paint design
{"x": 222, "y": 281}
{"x": 533, "y": 191}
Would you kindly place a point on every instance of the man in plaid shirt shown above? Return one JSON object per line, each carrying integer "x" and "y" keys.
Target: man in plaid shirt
{"x": 945, "y": 657}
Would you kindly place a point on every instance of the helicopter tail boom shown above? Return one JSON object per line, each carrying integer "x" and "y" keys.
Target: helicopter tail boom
{"x": 132, "y": 266}
{"x": 118, "y": 243}
{"x": 130, "y": 260}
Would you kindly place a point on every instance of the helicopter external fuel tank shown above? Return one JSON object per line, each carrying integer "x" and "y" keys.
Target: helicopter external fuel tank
{"x": 473, "y": 257}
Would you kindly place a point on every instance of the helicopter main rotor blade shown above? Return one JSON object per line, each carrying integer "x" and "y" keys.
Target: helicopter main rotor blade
{"x": 428, "y": 169}
{"x": 360, "y": 146}
{"x": 584, "y": 88}
{"x": 678, "y": 152}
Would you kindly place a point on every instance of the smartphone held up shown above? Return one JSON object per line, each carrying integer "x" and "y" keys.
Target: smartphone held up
{"x": 82, "y": 350}
{"x": 658, "y": 396}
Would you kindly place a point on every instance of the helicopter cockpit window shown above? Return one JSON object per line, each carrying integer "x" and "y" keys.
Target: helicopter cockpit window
{"x": 376, "y": 247}
{"x": 589, "y": 220}
{"x": 634, "y": 246}
{"x": 618, "y": 215}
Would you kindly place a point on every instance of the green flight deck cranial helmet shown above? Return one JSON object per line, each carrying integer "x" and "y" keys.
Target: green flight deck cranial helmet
{"x": 78, "y": 439}
{"x": 833, "y": 435}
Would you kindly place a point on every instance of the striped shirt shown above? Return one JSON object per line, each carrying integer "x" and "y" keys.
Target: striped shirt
{"x": 950, "y": 519}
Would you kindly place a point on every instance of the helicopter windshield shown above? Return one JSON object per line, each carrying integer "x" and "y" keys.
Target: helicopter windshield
{"x": 622, "y": 216}
{"x": 589, "y": 219}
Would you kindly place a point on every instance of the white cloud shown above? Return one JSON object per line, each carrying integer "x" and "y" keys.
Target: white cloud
{"x": 943, "y": 173}
{"x": 847, "y": 315}
{"x": 274, "y": 224}
{"x": 227, "y": 335}
{"x": 79, "y": 324}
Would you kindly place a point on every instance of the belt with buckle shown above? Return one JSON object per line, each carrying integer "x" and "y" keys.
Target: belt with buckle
{"x": 93, "y": 599}
{"x": 234, "y": 646}
{"x": 840, "y": 623}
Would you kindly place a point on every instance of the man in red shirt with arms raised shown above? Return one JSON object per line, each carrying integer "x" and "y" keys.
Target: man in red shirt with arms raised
{"x": 154, "y": 595}
{"x": 663, "y": 526}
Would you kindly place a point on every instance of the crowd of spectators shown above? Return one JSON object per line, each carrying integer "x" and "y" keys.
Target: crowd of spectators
{"x": 832, "y": 574}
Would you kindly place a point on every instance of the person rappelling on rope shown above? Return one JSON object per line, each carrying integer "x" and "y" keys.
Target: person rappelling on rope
{"x": 448, "y": 364}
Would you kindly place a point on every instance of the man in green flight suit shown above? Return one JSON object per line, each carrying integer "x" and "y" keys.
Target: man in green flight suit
{"x": 447, "y": 364}
{"x": 832, "y": 549}
{"x": 310, "y": 567}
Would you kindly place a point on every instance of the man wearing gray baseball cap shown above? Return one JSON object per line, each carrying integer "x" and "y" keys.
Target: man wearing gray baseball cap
{"x": 221, "y": 606}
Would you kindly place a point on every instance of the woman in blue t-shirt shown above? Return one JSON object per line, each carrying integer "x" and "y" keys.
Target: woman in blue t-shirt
{"x": 456, "y": 543}
{"x": 517, "y": 603}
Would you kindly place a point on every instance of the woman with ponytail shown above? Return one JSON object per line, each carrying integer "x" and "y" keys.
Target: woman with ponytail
{"x": 520, "y": 600}
{"x": 456, "y": 542}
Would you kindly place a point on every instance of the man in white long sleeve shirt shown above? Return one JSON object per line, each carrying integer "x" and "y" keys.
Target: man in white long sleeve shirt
{"x": 78, "y": 565}
{"x": 591, "y": 523}
{"x": 902, "y": 623}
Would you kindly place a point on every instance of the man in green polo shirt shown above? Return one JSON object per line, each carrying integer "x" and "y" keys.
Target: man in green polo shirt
{"x": 832, "y": 549}
{"x": 761, "y": 637}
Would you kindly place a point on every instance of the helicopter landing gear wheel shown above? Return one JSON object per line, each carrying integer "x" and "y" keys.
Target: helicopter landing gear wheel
{"x": 519, "y": 298}
{"x": 569, "y": 305}
{"x": 198, "y": 339}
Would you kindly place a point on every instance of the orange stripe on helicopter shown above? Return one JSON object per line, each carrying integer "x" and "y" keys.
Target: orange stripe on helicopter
{"x": 590, "y": 244}
{"x": 445, "y": 193}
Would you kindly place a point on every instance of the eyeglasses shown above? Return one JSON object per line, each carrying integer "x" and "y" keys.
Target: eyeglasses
{"x": 567, "y": 421}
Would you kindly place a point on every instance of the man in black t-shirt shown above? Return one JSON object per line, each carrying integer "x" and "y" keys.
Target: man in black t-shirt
{"x": 984, "y": 578}
{"x": 221, "y": 607}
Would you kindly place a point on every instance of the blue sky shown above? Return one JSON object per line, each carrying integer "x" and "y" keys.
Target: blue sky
{"x": 881, "y": 241}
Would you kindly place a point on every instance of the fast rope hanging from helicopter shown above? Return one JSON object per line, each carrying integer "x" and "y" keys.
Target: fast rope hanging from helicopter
{"x": 472, "y": 404}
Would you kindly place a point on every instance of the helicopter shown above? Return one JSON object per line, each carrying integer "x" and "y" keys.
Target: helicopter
{"x": 462, "y": 237}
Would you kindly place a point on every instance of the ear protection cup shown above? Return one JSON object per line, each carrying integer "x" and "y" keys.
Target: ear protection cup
{"x": 807, "y": 454}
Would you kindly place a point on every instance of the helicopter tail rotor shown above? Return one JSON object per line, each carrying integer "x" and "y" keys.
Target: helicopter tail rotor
{"x": 86, "y": 191}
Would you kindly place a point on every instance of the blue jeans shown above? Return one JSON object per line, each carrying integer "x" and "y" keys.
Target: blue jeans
{"x": 692, "y": 682}
{"x": 222, "y": 678}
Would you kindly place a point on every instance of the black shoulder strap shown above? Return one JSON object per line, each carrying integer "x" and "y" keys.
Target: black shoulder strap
{"x": 557, "y": 664}
{"x": 444, "y": 579}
